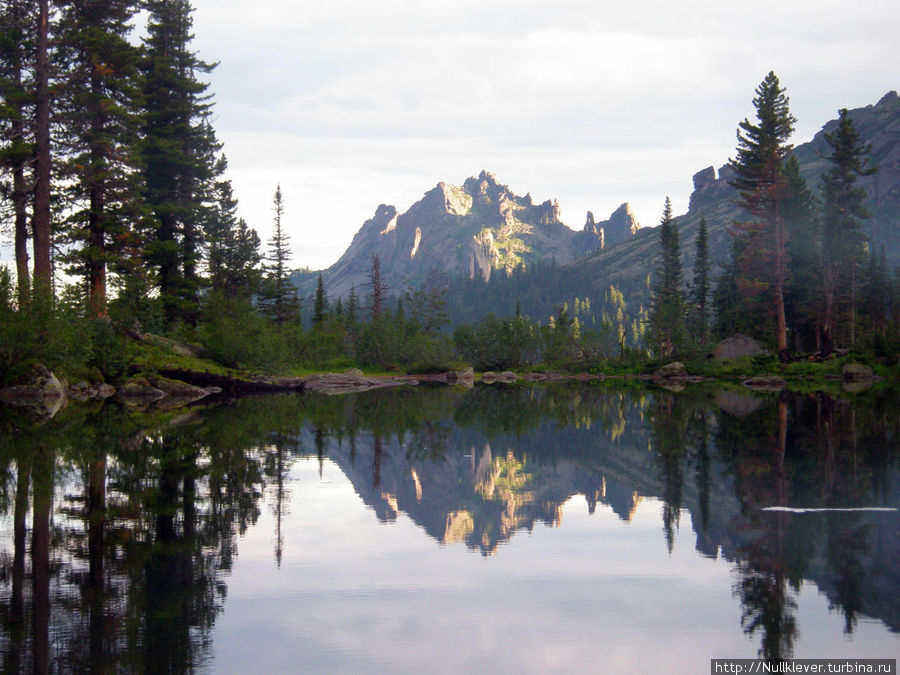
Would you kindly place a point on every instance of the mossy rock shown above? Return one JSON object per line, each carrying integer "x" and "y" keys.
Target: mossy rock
{"x": 140, "y": 388}
{"x": 857, "y": 372}
{"x": 738, "y": 346}
{"x": 674, "y": 369}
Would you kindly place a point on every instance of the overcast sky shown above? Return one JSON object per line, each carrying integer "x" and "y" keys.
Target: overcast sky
{"x": 353, "y": 103}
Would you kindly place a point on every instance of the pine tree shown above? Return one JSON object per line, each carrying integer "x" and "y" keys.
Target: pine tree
{"x": 760, "y": 181}
{"x": 874, "y": 303}
{"x": 701, "y": 287}
{"x": 278, "y": 297}
{"x": 16, "y": 48}
{"x": 352, "y": 322}
{"x": 99, "y": 126}
{"x": 179, "y": 152}
{"x": 842, "y": 238}
{"x": 320, "y": 305}
{"x": 802, "y": 290}
{"x": 667, "y": 315}
{"x": 232, "y": 248}
{"x": 378, "y": 287}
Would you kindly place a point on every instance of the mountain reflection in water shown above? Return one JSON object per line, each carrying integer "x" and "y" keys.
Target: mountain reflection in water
{"x": 120, "y": 530}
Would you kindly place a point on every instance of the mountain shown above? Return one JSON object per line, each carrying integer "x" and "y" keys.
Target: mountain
{"x": 628, "y": 264}
{"x": 481, "y": 227}
{"x": 473, "y": 229}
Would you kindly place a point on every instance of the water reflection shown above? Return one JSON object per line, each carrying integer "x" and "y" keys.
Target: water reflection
{"x": 120, "y": 528}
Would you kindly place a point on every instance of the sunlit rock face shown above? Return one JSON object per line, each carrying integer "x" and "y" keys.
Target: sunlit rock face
{"x": 476, "y": 229}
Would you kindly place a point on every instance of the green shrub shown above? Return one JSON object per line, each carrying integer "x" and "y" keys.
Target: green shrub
{"x": 237, "y": 336}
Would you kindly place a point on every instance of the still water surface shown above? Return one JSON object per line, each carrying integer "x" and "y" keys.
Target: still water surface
{"x": 521, "y": 529}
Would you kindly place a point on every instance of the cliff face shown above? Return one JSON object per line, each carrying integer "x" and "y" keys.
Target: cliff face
{"x": 473, "y": 229}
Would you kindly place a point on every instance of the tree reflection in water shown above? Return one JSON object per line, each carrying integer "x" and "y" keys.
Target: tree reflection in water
{"x": 135, "y": 517}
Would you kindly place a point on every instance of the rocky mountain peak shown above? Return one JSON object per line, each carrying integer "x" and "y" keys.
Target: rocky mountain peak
{"x": 485, "y": 190}
{"x": 446, "y": 199}
{"x": 550, "y": 213}
{"x": 474, "y": 229}
{"x": 708, "y": 188}
{"x": 888, "y": 98}
{"x": 593, "y": 234}
{"x": 621, "y": 225}
{"x": 383, "y": 222}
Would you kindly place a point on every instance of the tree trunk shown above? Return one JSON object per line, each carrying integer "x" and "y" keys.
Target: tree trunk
{"x": 41, "y": 216}
{"x": 20, "y": 196}
{"x": 780, "y": 275}
{"x": 96, "y": 262}
{"x": 20, "y": 208}
{"x": 96, "y": 244}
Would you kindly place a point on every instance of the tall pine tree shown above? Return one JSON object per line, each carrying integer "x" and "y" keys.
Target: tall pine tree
{"x": 843, "y": 242}
{"x": 179, "y": 152}
{"x": 232, "y": 248}
{"x": 278, "y": 296}
{"x": 701, "y": 286}
{"x": 16, "y": 139}
{"x": 667, "y": 313}
{"x": 99, "y": 117}
{"x": 802, "y": 299}
{"x": 320, "y": 305}
{"x": 759, "y": 178}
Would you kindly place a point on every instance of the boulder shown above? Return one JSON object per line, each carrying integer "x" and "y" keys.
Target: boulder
{"x": 82, "y": 391}
{"x": 738, "y": 346}
{"x": 857, "y": 372}
{"x": 38, "y": 384}
{"x": 177, "y": 388}
{"x": 465, "y": 377}
{"x": 674, "y": 369}
{"x": 105, "y": 391}
{"x": 140, "y": 388}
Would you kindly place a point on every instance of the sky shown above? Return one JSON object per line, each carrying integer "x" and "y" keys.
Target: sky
{"x": 349, "y": 104}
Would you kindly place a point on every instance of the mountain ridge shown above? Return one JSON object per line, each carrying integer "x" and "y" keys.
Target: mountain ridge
{"x": 473, "y": 229}
{"x": 482, "y": 226}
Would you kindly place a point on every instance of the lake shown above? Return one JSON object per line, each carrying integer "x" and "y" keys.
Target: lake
{"x": 520, "y": 528}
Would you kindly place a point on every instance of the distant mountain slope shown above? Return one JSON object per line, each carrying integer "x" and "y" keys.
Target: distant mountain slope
{"x": 629, "y": 263}
{"x": 473, "y": 229}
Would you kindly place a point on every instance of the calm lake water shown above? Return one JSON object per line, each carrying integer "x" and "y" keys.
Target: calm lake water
{"x": 501, "y": 529}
